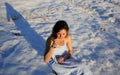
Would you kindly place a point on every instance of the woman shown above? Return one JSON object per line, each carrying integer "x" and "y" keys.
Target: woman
{"x": 59, "y": 50}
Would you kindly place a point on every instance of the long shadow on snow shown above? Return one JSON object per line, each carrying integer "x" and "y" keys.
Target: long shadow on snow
{"x": 35, "y": 40}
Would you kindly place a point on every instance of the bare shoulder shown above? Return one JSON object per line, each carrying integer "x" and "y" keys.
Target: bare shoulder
{"x": 68, "y": 38}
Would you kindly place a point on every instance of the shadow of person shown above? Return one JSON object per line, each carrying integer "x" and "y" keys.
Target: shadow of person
{"x": 35, "y": 40}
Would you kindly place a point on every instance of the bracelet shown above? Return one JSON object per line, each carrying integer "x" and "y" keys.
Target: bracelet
{"x": 53, "y": 46}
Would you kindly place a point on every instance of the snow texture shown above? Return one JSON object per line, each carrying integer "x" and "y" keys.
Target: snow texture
{"x": 25, "y": 26}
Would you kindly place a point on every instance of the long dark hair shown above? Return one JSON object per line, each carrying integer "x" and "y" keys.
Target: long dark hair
{"x": 61, "y": 24}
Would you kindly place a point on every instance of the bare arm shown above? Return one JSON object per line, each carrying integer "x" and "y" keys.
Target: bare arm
{"x": 69, "y": 44}
{"x": 49, "y": 51}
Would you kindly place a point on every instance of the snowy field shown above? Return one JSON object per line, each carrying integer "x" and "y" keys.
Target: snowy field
{"x": 26, "y": 24}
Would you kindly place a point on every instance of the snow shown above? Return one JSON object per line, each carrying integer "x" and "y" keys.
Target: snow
{"x": 94, "y": 27}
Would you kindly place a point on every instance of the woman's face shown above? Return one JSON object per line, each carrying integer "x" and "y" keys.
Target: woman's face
{"x": 61, "y": 34}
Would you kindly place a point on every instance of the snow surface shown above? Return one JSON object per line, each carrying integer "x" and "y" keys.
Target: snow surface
{"x": 26, "y": 24}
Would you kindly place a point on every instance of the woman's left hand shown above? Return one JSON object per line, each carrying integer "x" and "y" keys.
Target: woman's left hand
{"x": 60, "y": 60}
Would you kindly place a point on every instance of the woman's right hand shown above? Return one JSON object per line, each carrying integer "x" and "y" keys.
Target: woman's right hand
{"x": 55, "y": 43}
